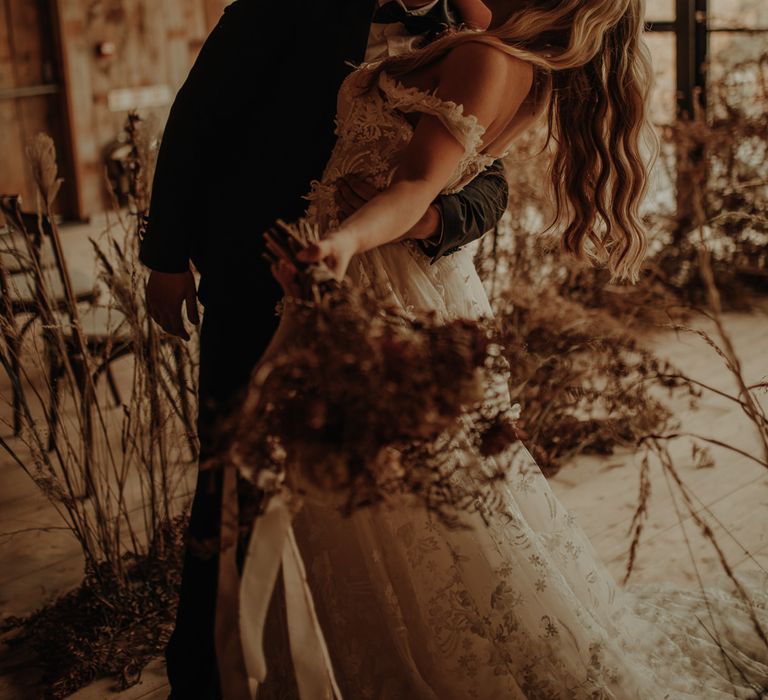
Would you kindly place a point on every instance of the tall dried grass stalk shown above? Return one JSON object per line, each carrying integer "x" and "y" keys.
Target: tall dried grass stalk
{"x": 116, "y": 475}
{"x": 745, "y": 398}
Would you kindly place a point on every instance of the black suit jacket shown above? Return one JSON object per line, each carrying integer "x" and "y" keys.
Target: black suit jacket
{"x": 250, "y": 128}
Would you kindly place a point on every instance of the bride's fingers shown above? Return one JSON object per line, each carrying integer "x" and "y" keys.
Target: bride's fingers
{"x": 331, "y": 251}
{"x": 315, "y": 252}
{"x": 310, "y": 254}
{"x": 338, "y": 264}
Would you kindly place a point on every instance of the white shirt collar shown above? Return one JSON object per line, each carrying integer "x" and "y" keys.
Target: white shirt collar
{"x": 392, "y": 39}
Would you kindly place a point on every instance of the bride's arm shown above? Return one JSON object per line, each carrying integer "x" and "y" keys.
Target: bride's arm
{"x": 489, "y": 84}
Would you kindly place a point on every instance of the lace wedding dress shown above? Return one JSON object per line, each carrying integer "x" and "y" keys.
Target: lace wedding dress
{"x": 520, "y": 608}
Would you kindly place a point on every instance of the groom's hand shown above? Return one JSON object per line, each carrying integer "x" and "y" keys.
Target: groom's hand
{"x": 353, "y": 192}
{"x": 166, "y": 293}
{"x": 429, "y": 227}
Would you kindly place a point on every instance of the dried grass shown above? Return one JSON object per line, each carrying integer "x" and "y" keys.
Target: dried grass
{"x": 577, "y": 365}
{"x": 115, "y": 475}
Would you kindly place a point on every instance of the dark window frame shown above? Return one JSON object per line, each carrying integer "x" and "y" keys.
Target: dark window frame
{"x": 692, "y": 32}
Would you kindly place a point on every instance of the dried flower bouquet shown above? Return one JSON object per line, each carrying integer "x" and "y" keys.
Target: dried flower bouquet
{"x": 366, "y": 400}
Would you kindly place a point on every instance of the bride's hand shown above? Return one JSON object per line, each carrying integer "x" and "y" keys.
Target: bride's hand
{"x": 336, "y": 251}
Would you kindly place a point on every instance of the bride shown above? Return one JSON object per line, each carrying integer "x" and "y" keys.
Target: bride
{"x": 519, "y": 607}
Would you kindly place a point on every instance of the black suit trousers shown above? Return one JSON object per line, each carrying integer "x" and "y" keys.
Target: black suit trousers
{"x": 230, "y": 346}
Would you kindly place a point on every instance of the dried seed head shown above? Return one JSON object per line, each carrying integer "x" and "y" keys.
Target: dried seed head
{"x": 41, "y": 152}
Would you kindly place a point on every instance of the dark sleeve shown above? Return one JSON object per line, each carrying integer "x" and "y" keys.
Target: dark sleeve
{"x": 170, "y": 226}
{"x": 471, "y": 213}
{"x": 200, "y": 112}
{"x": 175, "y": 209}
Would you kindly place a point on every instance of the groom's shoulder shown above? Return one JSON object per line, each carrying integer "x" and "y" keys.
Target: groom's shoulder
{"x": 254, "y": 23}
{"x": 271, "y": 8}
{"x": 269, "y": 15}
{"x": 265, "y": 8}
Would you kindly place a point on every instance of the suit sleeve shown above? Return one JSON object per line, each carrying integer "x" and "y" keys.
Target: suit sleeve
{"x": 200, "y": 111}
{"x": 171, "y": 226}
{"x": 469, "y": 214}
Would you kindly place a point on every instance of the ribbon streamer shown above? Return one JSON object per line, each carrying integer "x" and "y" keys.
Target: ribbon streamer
{"x": 314, "y": 672}
{"x": 229, "y": 651}
{"x": 262, "y": 564}
{"x": 243, "y": 602}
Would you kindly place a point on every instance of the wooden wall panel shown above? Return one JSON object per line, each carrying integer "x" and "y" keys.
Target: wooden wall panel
{"x": 28, "y": 62}
{"x": 12, "y": 166}
{"x": 14, "y": 172}
{"x": 154, "y": 43}
{"x": 6, "y": 64}
{"x": 25, "y": 20}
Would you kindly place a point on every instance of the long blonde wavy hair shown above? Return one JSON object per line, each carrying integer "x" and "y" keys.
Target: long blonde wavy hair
{"x": 598, "y": 72}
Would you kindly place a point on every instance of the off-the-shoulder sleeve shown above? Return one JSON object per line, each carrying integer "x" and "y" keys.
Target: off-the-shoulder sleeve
{"x": 467, "y": 130}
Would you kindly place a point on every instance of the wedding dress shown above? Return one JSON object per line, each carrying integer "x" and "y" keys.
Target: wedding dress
{"x": 520, "y": 607}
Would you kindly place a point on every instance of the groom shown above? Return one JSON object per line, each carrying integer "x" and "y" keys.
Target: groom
{"x": 248, "y": 131}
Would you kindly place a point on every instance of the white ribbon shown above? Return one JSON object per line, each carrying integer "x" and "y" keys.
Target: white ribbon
{"x": 240, "y": 645}
{"x": 314, "y": 672}
{"x": 229, "y": 652}
{"x": 262, "y": 564}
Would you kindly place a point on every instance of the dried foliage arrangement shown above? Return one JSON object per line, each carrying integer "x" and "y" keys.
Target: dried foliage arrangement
{"x": 719, "y": 163}
{"x": 116, "y": 474}
{"x": 587, "y": 383}
{"x": 365, "y": 400}
{"x": 746, "y": 400}
{"x": 710, "y": 185}
{"x": 105, "y": 626}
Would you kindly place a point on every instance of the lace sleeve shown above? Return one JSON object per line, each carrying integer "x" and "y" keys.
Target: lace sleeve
{"x": 465, "y": 127}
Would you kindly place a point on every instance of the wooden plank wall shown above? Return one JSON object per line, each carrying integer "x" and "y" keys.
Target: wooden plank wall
{"x": 28, "y": 59}
{"x": 14, "y": 173}
{"x": 155, "y": 43}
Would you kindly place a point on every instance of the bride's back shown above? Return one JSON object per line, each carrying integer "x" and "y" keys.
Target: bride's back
{"x": 458, "y": 71}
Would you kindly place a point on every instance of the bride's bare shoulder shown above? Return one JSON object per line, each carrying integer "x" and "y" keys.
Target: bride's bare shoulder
{"x": 486, "y": 60}
{"x": 485, "y": 78}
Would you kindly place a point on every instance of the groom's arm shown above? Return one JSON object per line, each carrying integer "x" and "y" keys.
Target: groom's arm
{"x": 468, "y": 215}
